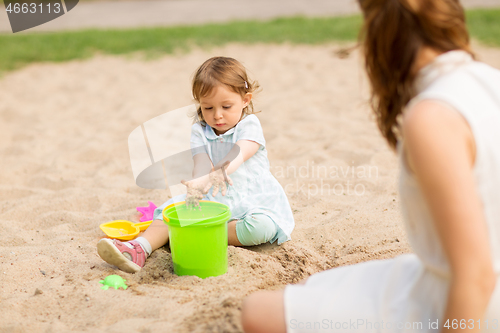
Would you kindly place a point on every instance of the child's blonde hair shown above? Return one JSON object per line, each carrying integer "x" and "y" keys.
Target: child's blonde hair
{"x": 225, "y": 71}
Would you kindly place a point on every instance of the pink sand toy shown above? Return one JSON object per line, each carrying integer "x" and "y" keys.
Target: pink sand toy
{"x": 147, "y": 212}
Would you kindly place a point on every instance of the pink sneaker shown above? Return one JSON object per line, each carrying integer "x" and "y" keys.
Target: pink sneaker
{"x": 116, "y": 253}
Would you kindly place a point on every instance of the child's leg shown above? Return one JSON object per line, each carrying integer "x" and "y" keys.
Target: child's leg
{"x": 232, "y": 238}
{"x": 130, "y": 256}
{"x": 156, "y": 234}
{"x": 127, "y": 256}
{"x": 253, "y": 229}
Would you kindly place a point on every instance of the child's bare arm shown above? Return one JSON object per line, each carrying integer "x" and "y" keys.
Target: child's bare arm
{"x": 202, "y": 165}
{"x": 217, "y": 176}
{"x": 241, "y": 152}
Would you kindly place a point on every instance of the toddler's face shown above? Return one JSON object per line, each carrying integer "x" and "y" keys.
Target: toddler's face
{"x": 222, "y": 108}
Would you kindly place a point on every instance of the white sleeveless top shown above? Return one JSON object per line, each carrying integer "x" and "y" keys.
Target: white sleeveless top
{"x": 409, "y": 292}
{"x": 473, "y": 89}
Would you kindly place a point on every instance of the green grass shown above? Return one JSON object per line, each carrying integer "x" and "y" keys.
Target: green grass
{"x": 17, "y": 50}
{"x": 484, "y": 25}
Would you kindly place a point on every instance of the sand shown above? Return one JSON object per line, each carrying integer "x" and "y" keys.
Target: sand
{"x": 65, "y": 169}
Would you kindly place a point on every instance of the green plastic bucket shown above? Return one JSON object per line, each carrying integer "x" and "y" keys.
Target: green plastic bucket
{"x": 198, "y": 238}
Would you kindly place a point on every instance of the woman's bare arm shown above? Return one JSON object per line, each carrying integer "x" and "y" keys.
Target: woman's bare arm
{"x": 440, "y": 150}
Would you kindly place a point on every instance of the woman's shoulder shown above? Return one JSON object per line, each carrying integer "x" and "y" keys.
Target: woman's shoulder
{"x": 474, "y": 75}
{"x": 472, "y": 89}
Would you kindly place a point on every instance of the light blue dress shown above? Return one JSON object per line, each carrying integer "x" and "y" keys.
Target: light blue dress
{"x": 254, "y": 190}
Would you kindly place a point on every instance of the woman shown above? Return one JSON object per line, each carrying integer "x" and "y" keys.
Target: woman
{"x": 440, "y": 109}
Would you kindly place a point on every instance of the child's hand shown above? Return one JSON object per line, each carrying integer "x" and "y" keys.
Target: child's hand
{"x": 199, "y": 186}
{"x": 195, "y": 191}
{"x": 193, "y": 198}
{"x": 199, "y": 183}
{"x": 218, "y": 179}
